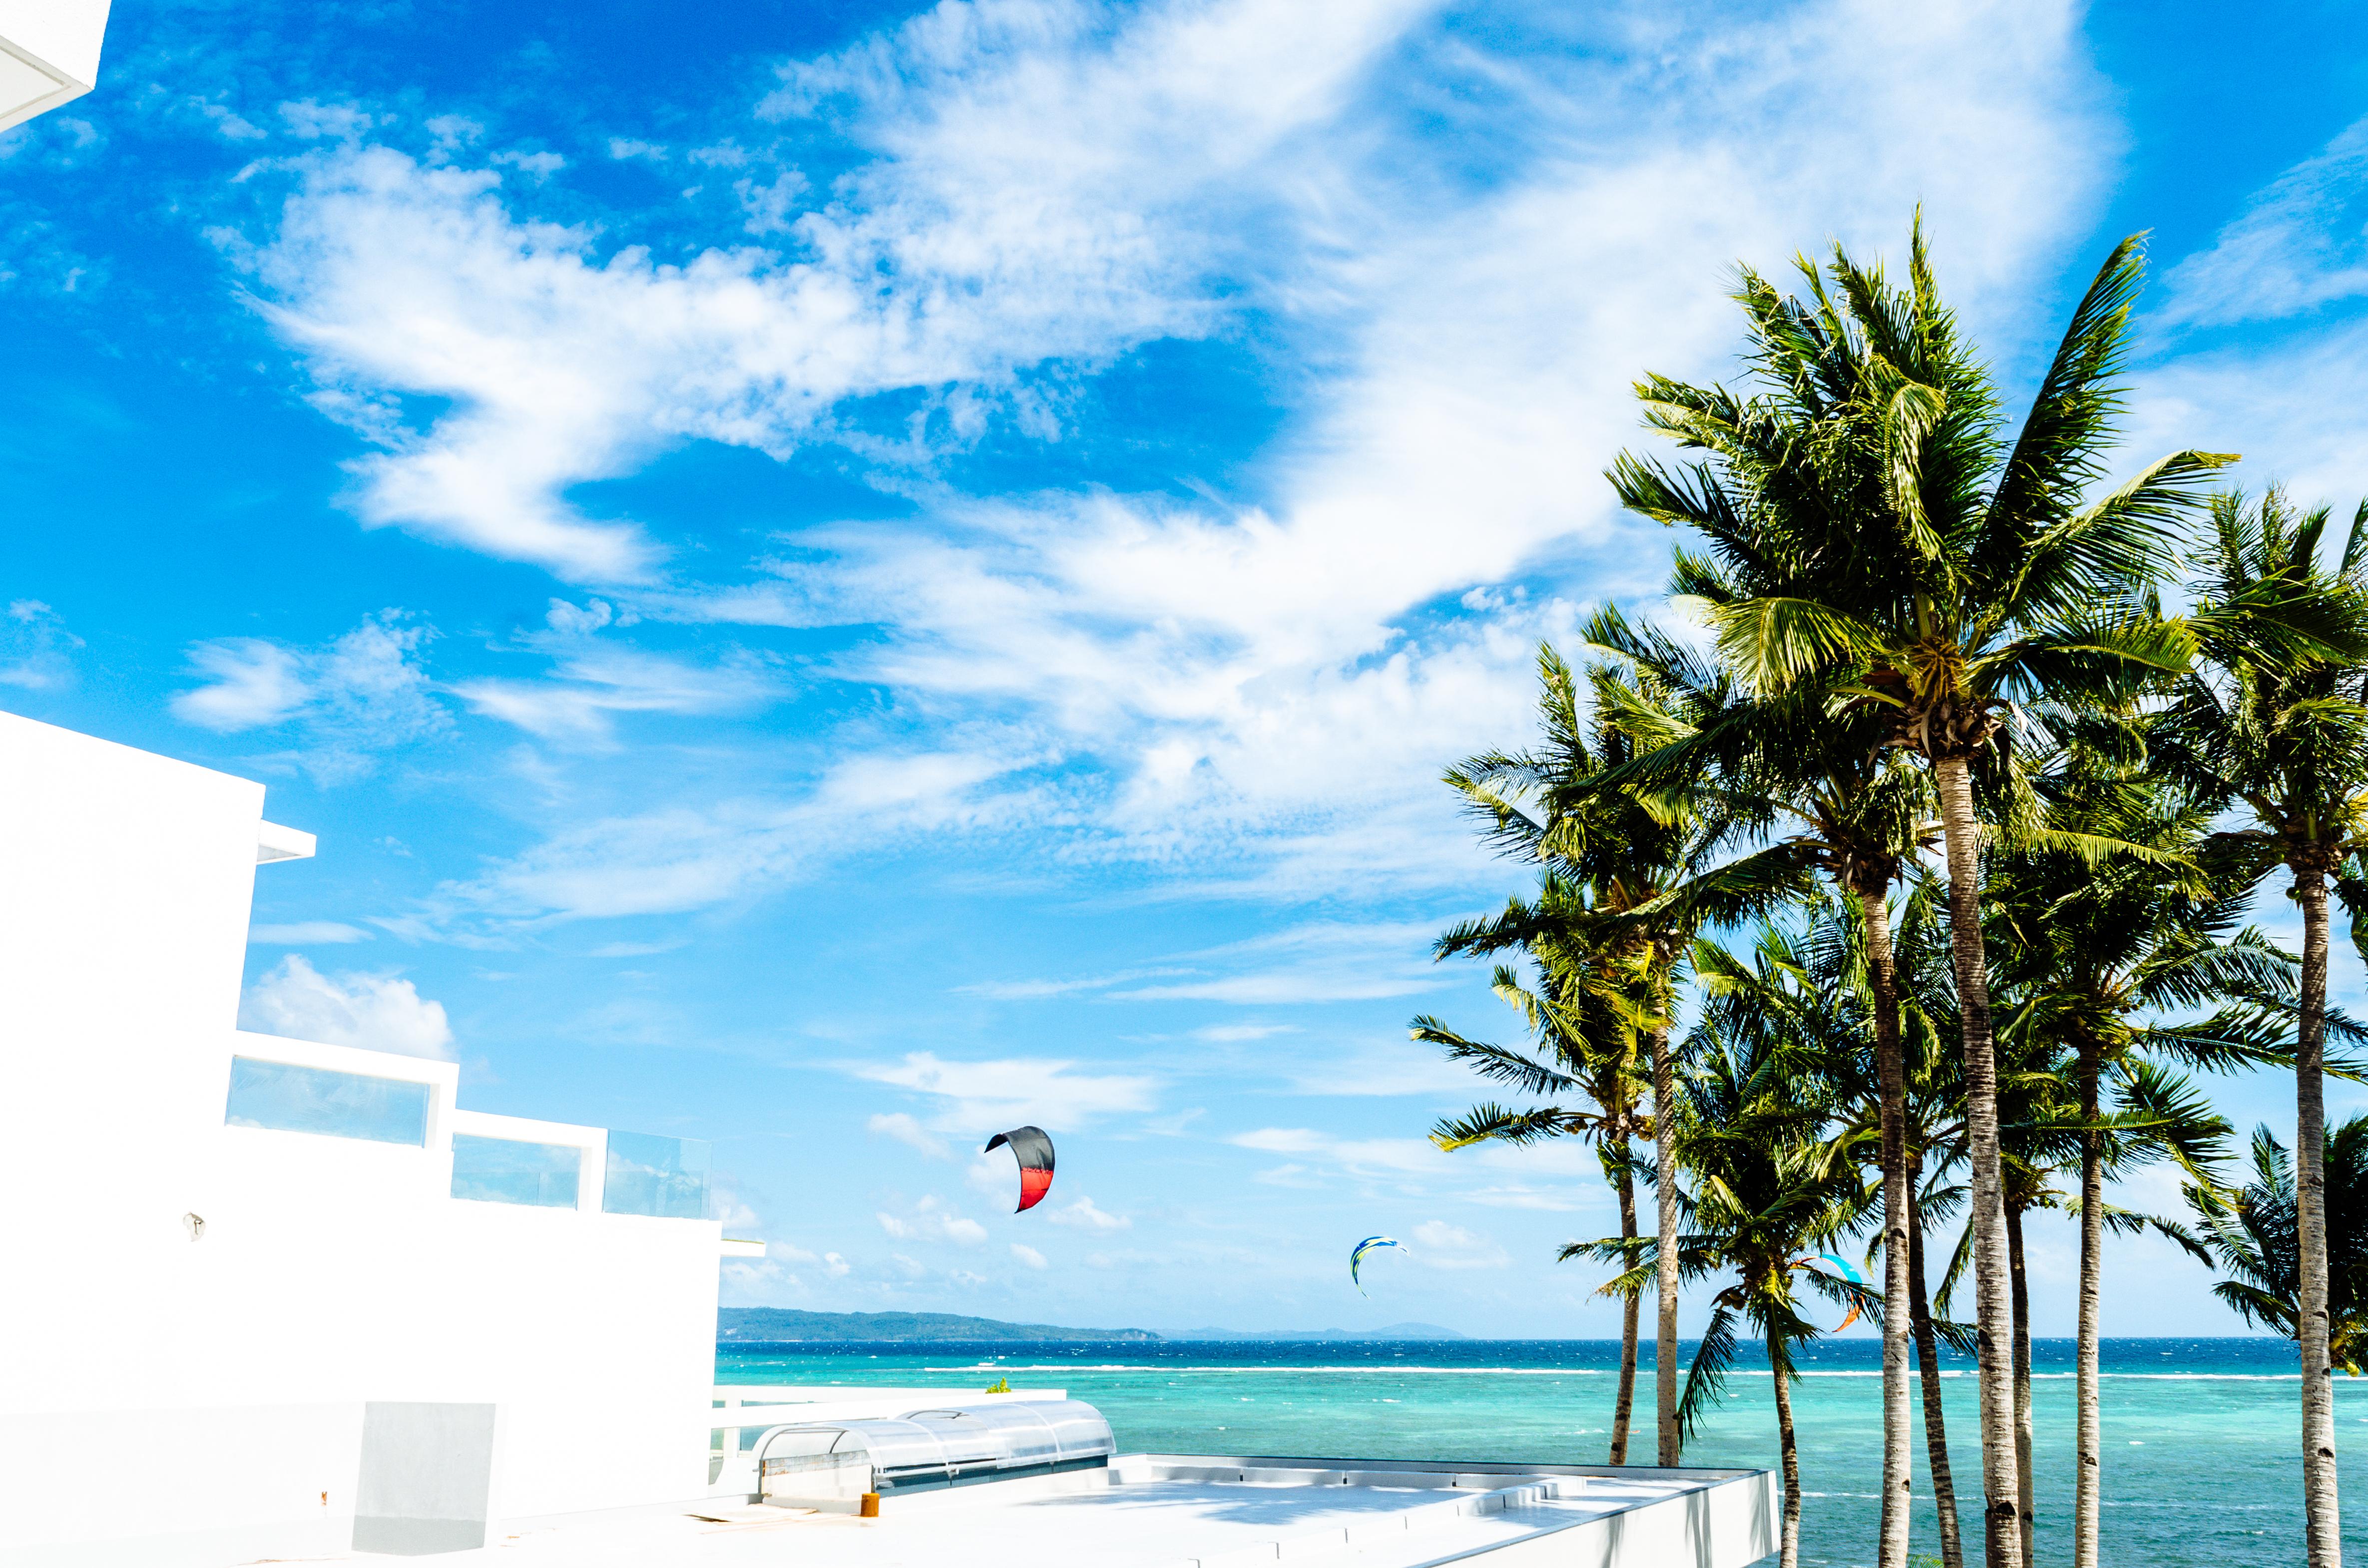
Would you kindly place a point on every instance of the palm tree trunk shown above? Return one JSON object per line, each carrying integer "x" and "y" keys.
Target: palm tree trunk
{"x": 1936, "y": 1419}
{"x": 1791, "y": 1452}
{"x": 2021, "y": 1371}
{"x": 1993, "y": 1308}
{"x": 2089, "y": 1444}
{"x": 1664, "y": 1190}
{"x": 1891, "y": 1551}
{"x": 2324, "y": 1524}
{"x": 1627, "y": 1400}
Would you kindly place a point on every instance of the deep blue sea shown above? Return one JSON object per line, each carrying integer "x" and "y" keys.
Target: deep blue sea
{"x": 2201, "y": 1466}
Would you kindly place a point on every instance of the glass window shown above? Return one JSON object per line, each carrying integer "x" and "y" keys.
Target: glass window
{"x": 508, "y": 1170}
{"x": 314, "y": 1099}
{"x": 663, "y": 1176}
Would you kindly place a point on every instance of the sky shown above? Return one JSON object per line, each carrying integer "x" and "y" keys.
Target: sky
{"x": 848, "y": 576}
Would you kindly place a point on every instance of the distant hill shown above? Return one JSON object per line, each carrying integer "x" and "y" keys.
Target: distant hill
{"x": 784, "y": 1325}
{"x": 1394, "y": 1331}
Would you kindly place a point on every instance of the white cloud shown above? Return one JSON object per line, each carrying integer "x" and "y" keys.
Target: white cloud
{"x": 907, "y": 1132}
{"x": 254, "y": 682}
{"x": 1319, "y": 961}
{"x": 377, "y": 1012}
{"x": 307, "y": 932}
{"x": 1027, "y": 1255}
{"x": 36, "y": 649}
{"x": 591, "y": 680}
{"x": 577, "y": 705}
{"x": 995, "y": 1094}
{"x": 2287, "y": 406}
{"x": 361, "y": 694}
{"x": 1361, "y": 1156}
{"x": 1009, "y": 239}
{"x": 931, "y": 1221}
{"x": 830, "y": 1263}
{"x": 1439, "y": 1244}
{"x": 1084, "y": 1215}
{"x": 2298, "y": 245}
{"x": 688, "y": 857}
{"x": 1259, "y": 686}
{"x": 1225, "y": 1034}
{"x": 1398, "y": 1159}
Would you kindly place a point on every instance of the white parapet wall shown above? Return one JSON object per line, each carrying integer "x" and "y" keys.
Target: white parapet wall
{"x": 200, "y": 1313}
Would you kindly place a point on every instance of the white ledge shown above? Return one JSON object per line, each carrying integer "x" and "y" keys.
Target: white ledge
{"x": 273, "y": 841}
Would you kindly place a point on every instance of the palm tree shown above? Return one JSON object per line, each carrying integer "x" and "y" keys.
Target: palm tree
{"x": 1586, "y": 1043}
{"x": 1767, "y": 1186}
{"x": 2274, "y": 720}
{"x": 1851, "y": 810}
{"x": 2254, "y": 1235}
{"x": 2095, "y": 954}
{"x": 1932, "y": 569}
{"x": 1609, "y": 871}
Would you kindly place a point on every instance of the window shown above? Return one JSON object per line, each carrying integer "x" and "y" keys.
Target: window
{"x": 508, "y": 1170}
{"x": 661, "y": 1176}
{"x": 314, "y": 1099}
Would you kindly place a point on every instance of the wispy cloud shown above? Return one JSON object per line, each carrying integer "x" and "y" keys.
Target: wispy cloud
{"x": 307, "y": 932}
{"x": 1439, "y": 1244}
{"x": 36, "y": 650}
{"x": 994, "y": 1094}
{"x": 1005, "y": 238}
{"x": 1317, "y": 962}
{"x": 1400, "y": 1159}
{"x": 901, "y": 1127}
{"x": 930, "y": 1220}
{"x": 1255, "y": 685}
{"x": 341, "y": 703}
{"x": 1085, "y": 1215}
{"x": 2301, "y": 242}
{"x": 590, "y": 681}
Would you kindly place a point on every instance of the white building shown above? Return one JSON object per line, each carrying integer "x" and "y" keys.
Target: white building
{"x": 49, "y": 54}
{"x": 266, "y": 1298}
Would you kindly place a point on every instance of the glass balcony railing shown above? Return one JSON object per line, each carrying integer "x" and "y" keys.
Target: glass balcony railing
{"x": 666, "y": 1177}
{"x": 289, "y": 1099}
{"x": 510, "y": 1170}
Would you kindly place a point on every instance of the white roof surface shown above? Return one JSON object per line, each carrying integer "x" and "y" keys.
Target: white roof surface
{"x": 1169, "y": 1513}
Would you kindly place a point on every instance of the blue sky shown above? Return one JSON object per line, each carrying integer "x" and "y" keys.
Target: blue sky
{"x": 853, "y": 575}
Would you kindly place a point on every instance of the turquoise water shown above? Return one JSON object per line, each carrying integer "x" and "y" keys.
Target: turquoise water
{"x": 2200, "y": 1456}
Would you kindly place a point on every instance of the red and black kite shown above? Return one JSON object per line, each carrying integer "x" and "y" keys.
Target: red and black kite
{"x": 1034, "y": 1149}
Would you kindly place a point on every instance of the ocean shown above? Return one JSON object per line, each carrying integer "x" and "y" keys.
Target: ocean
{"x": 2201, "y": 1467}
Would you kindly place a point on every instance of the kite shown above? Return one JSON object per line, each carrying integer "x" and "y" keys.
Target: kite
{"x": 1847, "y": 1270}
{"x": 1034, "y": 1149}
{"x": 1357, "y": 1257}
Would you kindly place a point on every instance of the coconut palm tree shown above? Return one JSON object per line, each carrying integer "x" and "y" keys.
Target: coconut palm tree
{"x": 2098, "y": 957}
{"x": 1587, "y": 1042}
{"x": 2273, "y": 721}
{"x": 2253, "y": 1235}
{"x": 1932, "y": 568}
{"x": 1768, "y": 1186}
{"x": 1851, "y": 810}
{"x": 1630, "y": 884}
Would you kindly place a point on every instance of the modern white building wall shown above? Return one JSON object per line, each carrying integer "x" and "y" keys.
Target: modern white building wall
{"x": 49, "y": 54}
{"x": 198, "y": 1313}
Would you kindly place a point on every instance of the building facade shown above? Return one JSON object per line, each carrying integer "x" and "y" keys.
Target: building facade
{"x": 273, "y": 1298}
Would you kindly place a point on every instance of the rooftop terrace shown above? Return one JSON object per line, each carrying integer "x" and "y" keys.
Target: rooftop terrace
{"x": 1210, "y": 1511}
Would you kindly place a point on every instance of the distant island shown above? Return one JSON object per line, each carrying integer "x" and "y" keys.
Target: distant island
{"x": 784, "y": 1325}
{"x": 1394, "y": 1331}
